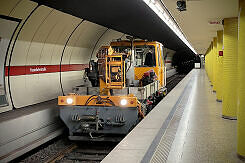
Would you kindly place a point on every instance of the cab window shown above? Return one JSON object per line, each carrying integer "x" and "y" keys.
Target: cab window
{"x": 145, "y": 56}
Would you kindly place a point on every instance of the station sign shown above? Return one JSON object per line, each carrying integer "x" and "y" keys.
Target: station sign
{"x": 215, "y": 22}
{"x": 41, "y": 69}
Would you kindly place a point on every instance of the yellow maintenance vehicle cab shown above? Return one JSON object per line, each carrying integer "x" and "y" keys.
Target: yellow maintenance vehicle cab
{"x": 127, "y": 80}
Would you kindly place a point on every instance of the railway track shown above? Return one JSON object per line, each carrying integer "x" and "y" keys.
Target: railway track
{"x": 174, "y": 80}
{"x": 83, "y": 153}
{"x": 61, "y": 154}
{"x": 62, "y": 151}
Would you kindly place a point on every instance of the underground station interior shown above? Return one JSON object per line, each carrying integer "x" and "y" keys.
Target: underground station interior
{"x": 122, "y": 81}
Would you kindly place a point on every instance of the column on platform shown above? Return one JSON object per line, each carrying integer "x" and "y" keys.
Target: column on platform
{"x": 214, "y": 55}
{"x": 210, "y": 66}
{"x": 208, "y": 63}
{"x": 211, "y": 63}
{"x": 241, "y": 81}
{"x": 230, "y": 68}
{"x": 219, "y": 79}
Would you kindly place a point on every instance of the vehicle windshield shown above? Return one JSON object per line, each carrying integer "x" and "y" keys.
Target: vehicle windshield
{"x": 145, "y": 56}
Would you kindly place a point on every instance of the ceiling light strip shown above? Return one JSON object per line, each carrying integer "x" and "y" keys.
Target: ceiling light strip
{"x": 160, "y": 10}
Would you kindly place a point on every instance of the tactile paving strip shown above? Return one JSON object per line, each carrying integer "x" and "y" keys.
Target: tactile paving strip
{"x": 164, "y": 147}
{"x": 168, "y": 130}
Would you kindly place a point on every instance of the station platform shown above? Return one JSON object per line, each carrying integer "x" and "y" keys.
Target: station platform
{"x": 186, "y": 126}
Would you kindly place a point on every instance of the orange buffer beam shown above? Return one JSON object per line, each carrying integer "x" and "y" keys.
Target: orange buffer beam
{"x": 94, "y": 100}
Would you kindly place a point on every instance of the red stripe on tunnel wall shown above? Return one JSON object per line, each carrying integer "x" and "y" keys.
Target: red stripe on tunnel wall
{"x": 40, "y": 69}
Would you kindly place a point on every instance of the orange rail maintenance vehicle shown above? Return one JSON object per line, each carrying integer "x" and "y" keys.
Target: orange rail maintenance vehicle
{"x": 127, "y": 80}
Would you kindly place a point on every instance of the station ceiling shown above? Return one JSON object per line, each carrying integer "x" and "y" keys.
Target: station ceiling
{"x": 195, "y": 21}
{"x": 133, "y": 17}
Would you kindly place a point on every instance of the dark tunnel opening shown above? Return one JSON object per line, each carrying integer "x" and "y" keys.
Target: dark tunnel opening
{"x": 184, "y": 62}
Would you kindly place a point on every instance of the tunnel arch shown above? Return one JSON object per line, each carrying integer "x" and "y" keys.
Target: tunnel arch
{"x": 50, "y": 53}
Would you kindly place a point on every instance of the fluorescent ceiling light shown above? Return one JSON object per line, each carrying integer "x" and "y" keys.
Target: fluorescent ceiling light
{"x": 159, "y": 9}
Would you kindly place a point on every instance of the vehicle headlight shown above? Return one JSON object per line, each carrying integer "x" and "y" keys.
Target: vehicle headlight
{"x": 69, "y": 100}
{"x": 123, "y": 102}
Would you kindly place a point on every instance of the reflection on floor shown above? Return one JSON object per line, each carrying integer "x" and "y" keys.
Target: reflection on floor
{"x": 202, "y": 135}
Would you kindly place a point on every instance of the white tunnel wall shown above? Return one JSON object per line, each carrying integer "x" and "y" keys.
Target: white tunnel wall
{"x": 91, "y": 38}
{"x": 105, "y": 40}
{"x": 78, "y": 51}
{"x": 40, "y": 42}
{"x": 47, "y": 36}
{"x": 17, "y": 9}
